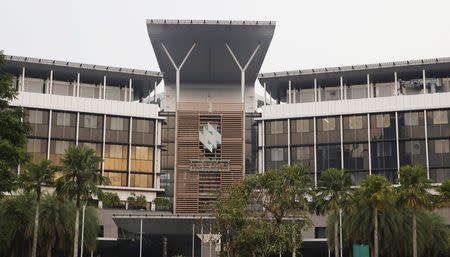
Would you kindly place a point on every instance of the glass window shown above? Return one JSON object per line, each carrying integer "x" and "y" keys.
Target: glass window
{"x": 141, "y": 180}
{"x": 276, "y": 154}
{"x": 62, "y": 119}
{"x": 117, "y": 178}
{"x": 90, "y": 121}
{"x": 441, "y": 146}
{"x": 412, "y": 147}
{"x": 440, "y": 117}
{"x": 142, "y": 126}
{"x": 61, "y": 146}
{"x": 329, "y": 124}
{"x": 302, "y": 153}
{"x": 411, "y": 119}
{"x": 302, "y": 125}
{"x": 383, "y": 149}
{"x": 355, "y": 122}
{"x": 383, "y": 121}
{"x": 276, "y": 127}
{"x": 116, "y": 151}
{"x": 357, "y": 150}
{"x": 116, "y": 123}
{"x": 35, "y": 116}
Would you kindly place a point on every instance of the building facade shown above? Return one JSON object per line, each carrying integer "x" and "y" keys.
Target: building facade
{"x": 210, "y": 126}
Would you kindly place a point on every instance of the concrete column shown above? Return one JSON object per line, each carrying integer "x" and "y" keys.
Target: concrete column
{"x": 78, "y": 85}
{"x": 193, "y": 239}
{"x": 130, "y": 87}
{"x": 368, "y": 141}
{"x": 289, "y": 140}
{"x": 49, "y": 133}
{"x": 104, "y": 87}
{"x": 369, "y": 95}
{"x": 263, "y": 147}
{"x": 51, "y": 81}
{"x": 154, "y": 91}
{"x": 395, "y": 84}
{"x": 178, "y": 68}
{"x": 341, "y": 83}
{"x": 103, "y": 145}
{"x": 77, "y": 133}
{"x": 426, "y": 143}
{"x": 315, "y": 152}
{"x": 243, "y": 69}
{"x": 397, "y": 144}
{"x": 342, "y": 142}
{"x": 265, "y": 93}
{"x": 140, "y": 239}
{"x": 315, "y": 90}
{"x": 424, "y": 82}
{"x": 129, "y": 151}
{"x": 22, "y": 83}
{"x": 289, "y": 93}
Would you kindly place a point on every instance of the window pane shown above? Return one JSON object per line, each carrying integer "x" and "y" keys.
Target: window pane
{"x": 276, "y": 127}
{"x": 355, "y": 122}
{"x": 329, "y": 124}
{"x": 277, "y": 154}
{"x": 441, "y": 146}
{"x": 303, "y": 153}
{"x": 440, "y": 117}
{"x": 383, "y": 121}
{"x": 302, "y": 125}
{"x": 116, "y": 123}
{"x": 411, "y": 119}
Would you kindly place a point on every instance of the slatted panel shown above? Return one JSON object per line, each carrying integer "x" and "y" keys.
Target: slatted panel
{"x": 196, "y": 192}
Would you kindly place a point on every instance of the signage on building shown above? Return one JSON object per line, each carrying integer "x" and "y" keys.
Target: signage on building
{"x": 210, "y": 137}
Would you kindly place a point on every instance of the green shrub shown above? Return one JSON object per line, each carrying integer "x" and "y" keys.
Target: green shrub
{"x": 137, "y": 202}
{"x": 110, "y": 200}
{"x": 162, "y": 203}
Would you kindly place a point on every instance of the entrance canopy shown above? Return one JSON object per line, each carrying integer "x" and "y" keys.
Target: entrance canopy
{"x": 160, "y": 223}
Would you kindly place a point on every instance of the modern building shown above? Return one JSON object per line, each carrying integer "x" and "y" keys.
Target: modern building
{"x": 210, "y": 126}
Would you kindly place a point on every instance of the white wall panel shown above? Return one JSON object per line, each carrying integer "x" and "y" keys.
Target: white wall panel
{"x": 355, "y": 106}
{"x": 88, "y": 105}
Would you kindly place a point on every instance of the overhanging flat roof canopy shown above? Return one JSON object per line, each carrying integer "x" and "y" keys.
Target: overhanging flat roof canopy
{"x": 143, "y": 80}
{"x": 277, "y": 82}
{"x": 160, "y": 223}
{"x": 210, "y": 60}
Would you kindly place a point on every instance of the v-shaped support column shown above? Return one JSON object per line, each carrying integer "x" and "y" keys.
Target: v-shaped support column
{"x": 242, "y": 69}
{"x": 178, "y": 68}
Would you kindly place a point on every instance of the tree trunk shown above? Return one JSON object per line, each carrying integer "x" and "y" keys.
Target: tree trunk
{"x": 336, "y": 240}
{"x": 35, "y": 232}
{"x": 414, "y": 235}
{"x": 375, "y": 232}
{"x": 294, "y": 246}
{"x": 49, "y": 251}
{"x": 77, "y": 229}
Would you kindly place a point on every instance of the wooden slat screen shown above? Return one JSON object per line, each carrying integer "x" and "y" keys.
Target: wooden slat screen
{"x": 196, "y": 192}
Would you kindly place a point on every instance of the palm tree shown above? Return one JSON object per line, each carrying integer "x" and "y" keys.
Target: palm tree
{"x": 414, "y": 194}
{"x": 16, "y": 216}
{"x": 376, "y": 191}
{"x": 57, "y": 221}
{"x": 79, "y": 181}
{"x": 34, "y": 177}
{"x": 444, "y": 193}
{"x": 334, "y": 191}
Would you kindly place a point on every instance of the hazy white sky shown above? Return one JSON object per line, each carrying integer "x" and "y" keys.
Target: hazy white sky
{"x": 309, "y": 34}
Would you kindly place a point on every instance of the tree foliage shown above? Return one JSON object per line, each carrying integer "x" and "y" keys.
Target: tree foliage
{"x": 56, "y": 219}
{"x": 12, "y": 133}
{"x": 266, "y": 213}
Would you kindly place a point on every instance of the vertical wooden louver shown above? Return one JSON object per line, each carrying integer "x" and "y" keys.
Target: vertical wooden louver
{"x": 197, "y": 189}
